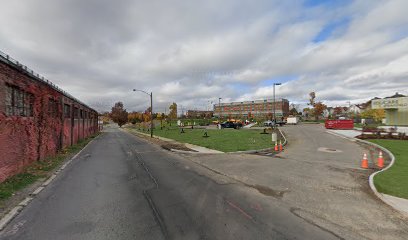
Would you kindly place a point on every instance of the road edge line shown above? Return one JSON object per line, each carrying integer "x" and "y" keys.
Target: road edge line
{"x": 371, "y": 177}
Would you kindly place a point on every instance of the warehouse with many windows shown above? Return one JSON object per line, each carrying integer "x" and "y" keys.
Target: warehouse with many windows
{"x": 37, "y": 119}
{"x": 249, "y": 109}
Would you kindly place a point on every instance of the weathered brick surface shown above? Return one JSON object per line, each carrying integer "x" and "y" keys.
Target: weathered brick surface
{"x": 27, "y": 139}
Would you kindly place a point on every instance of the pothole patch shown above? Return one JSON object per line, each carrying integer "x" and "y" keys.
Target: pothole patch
{"x": 328, "y": 150}
{"x": 268, "y": 191}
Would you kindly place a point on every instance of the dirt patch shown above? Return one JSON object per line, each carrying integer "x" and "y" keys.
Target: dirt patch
{"x": 361, "y": 178}
{"x": 268, "y": 191}
{"x": 170, "y": 146}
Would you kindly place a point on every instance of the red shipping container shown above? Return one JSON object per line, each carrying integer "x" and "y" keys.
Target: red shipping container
{"x": 339, "y": 124}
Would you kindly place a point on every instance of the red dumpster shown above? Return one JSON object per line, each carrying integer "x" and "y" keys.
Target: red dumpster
{"x": 339, "y": 124}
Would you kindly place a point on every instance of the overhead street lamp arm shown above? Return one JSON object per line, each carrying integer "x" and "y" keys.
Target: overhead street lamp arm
{"x": 137, "y": 90}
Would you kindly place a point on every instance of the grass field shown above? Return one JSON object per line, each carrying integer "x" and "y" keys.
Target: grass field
{"x": 225, "y": 140}
{"x": 394, "y": 181}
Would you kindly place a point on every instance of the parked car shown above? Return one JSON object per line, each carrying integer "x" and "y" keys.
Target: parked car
{"x": 269, "y": 123}
{"x": 230, "y": 124}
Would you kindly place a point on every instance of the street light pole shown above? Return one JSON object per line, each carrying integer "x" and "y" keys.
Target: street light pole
{"x": 219, "y": 105}
{"x": 274, "y": 102}
{"x": 151, "y": 109}
{"x": 151, "y": 114}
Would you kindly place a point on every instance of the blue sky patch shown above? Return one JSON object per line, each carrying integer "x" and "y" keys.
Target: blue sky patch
{"x": 329, "y": 28}
{"x": 329, "y": 3}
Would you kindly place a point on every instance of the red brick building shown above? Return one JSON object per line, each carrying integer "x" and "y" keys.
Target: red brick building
{"x": 36, "y": 117}
{"x": 199, "y": 114}
{"x": 248, "y": 109}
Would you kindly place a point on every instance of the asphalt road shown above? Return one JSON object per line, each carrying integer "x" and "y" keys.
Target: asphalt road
{"x": 121, "y": 187}
{"x": 321, "y": 180}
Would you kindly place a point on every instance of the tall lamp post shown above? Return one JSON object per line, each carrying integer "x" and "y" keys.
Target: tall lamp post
{"x": 274, "y": 102}
{"x": 151, "y": 109}
{"x": 219, "y": 105}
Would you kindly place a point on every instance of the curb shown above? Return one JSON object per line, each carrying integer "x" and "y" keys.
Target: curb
{"x": 16, "y": 210}
{"x": 371, "y": 177}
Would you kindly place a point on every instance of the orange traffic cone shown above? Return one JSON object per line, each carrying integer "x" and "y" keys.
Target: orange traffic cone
{"x": 276, "y": 146}
{"x": 280, "y": 146}
{"x": 380, "y": 163}
{"x": 364, "y": 162}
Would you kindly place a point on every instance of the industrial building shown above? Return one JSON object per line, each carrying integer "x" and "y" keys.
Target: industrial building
{"x": 396, "y": 109}
{"x": 250, "y": 109}
{"x": 37, "y": 119}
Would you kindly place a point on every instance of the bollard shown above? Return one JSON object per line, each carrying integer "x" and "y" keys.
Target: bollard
{"x": 364, "y": 162}
{"x": 276, "y": 146}
{"x": 380, "y": 163}
{"x": 274, "y": 137}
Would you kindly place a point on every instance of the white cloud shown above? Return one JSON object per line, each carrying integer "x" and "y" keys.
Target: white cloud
{"x": 194, "y": 52}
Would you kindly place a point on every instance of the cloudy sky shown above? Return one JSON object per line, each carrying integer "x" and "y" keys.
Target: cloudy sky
{"x": 193, "y": 52}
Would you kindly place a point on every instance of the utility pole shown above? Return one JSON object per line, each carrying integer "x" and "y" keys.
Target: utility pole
{"x": 219, "y": 105}
{"x": 274, "y": 102}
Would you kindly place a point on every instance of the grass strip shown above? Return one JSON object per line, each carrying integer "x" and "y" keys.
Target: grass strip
{"x": 394, "y": 181}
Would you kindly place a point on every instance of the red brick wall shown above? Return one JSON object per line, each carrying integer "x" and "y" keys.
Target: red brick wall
{"x": 25, "y": 139}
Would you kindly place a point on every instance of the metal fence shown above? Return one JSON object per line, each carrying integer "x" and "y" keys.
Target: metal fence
{"x": 11, "y": 61}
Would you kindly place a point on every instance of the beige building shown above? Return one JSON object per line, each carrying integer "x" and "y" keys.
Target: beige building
{"x": 396, "y": 109}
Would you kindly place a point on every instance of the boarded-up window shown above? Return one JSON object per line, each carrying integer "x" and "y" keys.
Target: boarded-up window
{"x": 18, "y": 102}
{"x": 76, "y": 112}
{"x": 52, "y": 107}
{"x": 67, "y": 110}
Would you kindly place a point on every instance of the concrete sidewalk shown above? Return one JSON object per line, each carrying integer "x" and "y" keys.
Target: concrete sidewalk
{"x": 249, "y": 125}
{"x": 346, "y": 133}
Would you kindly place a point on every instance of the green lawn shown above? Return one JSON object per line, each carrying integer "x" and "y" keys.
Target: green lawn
{"x": 394, "y": 181}
{"x": 225, "y": 140}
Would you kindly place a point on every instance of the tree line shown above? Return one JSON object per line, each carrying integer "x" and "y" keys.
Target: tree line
{"x": 121, "y": 116}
